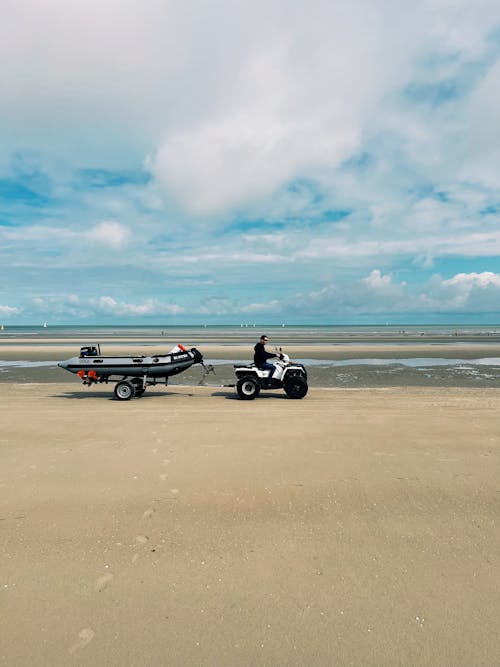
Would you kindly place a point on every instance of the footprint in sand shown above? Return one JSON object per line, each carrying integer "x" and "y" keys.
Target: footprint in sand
{"x": 103, "y": 582}
{"x": 141, "y": 539}
{"x": 85, "y": 636}
{"x": 148, "y": 514}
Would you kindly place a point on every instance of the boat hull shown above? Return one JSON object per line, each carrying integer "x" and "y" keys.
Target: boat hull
{"x": 158, "y": 366}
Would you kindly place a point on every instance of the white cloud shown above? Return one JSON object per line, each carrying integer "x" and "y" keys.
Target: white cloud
{"x": 85, "y": 308}
{"x": 218, "y": 306}
{"x": 473, "y": 292}
{"x": 484, "y": 133}
{"x": 470, "y": 280}
{"x": 378, "y": 293}
{"x": 305, "y": 97}
{"x": 109, "y": 233}
{"x": 9, "y": 311}
{"x": 376, "y": 281}
{"x": 270, "y": 307}
{"x": 230, "y": 100}
{"x": 109, "y": 306}
{"x": 298, "y": 100}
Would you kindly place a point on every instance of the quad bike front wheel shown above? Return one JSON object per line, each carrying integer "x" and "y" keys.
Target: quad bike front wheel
{"x": 296, "y": 386}
{"x": 248, "y": 388}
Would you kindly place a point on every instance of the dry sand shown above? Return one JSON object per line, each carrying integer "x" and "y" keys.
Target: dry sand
{"x": 354, "y": 527}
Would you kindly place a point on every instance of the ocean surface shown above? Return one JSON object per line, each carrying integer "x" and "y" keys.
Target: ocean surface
{"x": 335, "y": 356}
{"x": 293, "y": 333}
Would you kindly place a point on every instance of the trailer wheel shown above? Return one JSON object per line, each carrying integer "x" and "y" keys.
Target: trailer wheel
{"x": 296, "y": 386}
{"x": 124, "y": 391}
{"x": 248, "y": 388}
{"x": 139, "y": 388}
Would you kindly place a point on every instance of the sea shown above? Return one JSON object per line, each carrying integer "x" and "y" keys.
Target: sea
{"x": 334, "y": 355}
{"x": 303, "y": 333}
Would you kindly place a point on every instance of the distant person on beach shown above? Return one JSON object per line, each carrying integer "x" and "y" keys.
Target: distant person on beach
{"x": 261, "y": 356}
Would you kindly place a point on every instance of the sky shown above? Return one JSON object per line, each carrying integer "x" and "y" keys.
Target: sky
{"x": 277, "y": 161}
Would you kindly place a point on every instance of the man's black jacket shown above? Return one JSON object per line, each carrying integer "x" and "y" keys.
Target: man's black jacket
{"x": 261, "y": 356}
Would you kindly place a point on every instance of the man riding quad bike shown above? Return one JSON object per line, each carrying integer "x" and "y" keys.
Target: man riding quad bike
{"x": 287, "y": 375}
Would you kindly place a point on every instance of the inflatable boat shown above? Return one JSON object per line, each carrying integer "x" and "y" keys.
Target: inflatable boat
{"x": 133, "y": 373}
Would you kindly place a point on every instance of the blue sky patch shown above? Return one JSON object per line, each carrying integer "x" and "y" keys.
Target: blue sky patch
{"x": 103, "y": 178}
{"x": 12, "y": 191}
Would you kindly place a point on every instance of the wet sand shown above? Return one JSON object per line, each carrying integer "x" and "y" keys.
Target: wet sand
{"x": 354, "y": 527}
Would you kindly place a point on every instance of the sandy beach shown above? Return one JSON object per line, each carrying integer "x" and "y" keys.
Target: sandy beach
{"x": 354, "y": 527}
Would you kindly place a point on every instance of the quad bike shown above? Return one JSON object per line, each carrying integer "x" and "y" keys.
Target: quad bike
{"x": 290, "y": 376}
